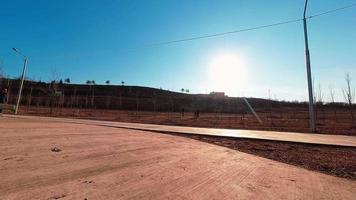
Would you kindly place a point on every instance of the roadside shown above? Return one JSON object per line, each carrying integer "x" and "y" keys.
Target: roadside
{"x": 283, "y": 120}
{"x": 333, "y": 160}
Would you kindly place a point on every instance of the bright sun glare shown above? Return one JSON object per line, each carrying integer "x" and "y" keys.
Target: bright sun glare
{"x": 226, "y": 73}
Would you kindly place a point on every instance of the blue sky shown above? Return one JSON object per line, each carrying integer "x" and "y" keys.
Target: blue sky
{"x": 102, "y": 40}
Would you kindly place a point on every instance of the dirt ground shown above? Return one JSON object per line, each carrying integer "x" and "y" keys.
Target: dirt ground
{"x": 337, "y": 161}
{"x": 54, "y": 160}
{"x": 328, "y": 121}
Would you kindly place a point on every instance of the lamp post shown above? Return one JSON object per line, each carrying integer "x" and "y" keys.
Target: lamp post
{"x": 310, "y": 85}
{"x": 22, "y": 79}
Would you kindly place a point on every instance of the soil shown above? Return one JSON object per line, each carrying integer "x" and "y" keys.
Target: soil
{"x": 333, "y": 160}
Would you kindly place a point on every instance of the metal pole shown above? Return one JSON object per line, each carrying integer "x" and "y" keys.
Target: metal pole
{"x": 310, "y": 85}
{"x": 21, "y": 85}
{"x": 253, "y": 111}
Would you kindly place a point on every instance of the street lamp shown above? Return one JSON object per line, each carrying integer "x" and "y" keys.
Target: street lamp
{"x": 22, "y": 78}
{"x": 310, "y": 85}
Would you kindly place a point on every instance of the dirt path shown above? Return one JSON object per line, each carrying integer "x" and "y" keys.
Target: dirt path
{"x": 338, "y": 140}
{"x": 97, "y": 162}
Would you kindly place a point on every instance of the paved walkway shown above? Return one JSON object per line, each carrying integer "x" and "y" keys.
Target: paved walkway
{"x": 99, "y": 162}
{"x": 339, "y": 140}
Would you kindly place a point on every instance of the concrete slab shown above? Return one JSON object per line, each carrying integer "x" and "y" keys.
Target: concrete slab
{"x": 338, "y": 140}
{"x": 97, "y": 162}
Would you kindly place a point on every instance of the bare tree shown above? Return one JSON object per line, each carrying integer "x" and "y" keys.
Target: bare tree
{"x": 67, "y": 80}
{"x": 349, "y": 94}
{"x": 1, "y": 69}
{"x": 332, "y": 94}
{"x": 92, "y": 92}
{"x": 54, "y": 75}
{"x": 313, "y": 88}
{"x": 320, "y": 95}
{"x": 53, "y": 86}
{"x": 332, "y": 100}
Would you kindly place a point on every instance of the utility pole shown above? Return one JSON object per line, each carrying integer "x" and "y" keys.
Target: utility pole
{"x": 310, "y": 85}
{"x": 22, "y": 79}
{"x": 253, "y": 111}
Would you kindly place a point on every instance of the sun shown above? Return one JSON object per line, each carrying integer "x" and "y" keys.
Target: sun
{"x": 226, "y": 72}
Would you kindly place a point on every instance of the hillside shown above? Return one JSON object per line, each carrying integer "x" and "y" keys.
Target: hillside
{"x": 131, "y": 98}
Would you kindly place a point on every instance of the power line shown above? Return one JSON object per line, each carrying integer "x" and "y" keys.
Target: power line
{"x": 223, "y": 33}
{"x": 243, "y": 30}
{"x": 331, "y": 11}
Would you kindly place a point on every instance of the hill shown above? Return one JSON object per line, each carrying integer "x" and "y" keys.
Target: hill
{"x": 128, "y": 98}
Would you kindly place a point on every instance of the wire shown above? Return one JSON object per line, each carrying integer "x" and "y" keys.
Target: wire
{"x": 214, "y": 35}
{"x": 224, "y": 33}
{"x": 331, "y": 11}
{"x": 242, "y": 30}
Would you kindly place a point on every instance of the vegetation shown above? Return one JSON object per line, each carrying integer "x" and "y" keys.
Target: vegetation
{"x": 349, "y": 94}
{"x": 274, "y": 113}
{"x": 90, "y": 82}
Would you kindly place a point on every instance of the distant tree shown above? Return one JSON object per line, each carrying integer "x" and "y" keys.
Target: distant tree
{"x": 314, "y": 92}
{"x": 53, "y": 86}
{"x": 187, "y": 90}
{"x": 349, "y": 94}
{"x": 60, "y": 82}
{"x": 182, "y": 90}
{"x": 332, "y": 99}
{"x": 320, "y": 95}
{"x": 332, "y": 94}
{"x": 1, "y": 66}
{"x": 90, "y": 82}
{"x": 1, "y": 72}
{"x": 107, "y": 82}
{"x": 54, "y": 75}
{"x": 122, "y": 83}
{"x": 67, "y": 80}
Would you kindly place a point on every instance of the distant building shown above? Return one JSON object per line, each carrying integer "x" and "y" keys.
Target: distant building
{"x": 218, "y": 94}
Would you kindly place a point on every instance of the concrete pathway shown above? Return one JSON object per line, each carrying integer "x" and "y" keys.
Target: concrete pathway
{"x": 98, "y": 162}
{"x": 339, "y": 140}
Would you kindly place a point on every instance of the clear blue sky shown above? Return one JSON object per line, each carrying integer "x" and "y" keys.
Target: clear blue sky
{"x": 92, "y": 39}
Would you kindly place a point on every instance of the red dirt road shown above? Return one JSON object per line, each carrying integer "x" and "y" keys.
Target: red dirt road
{"x": 97, "y": 162}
